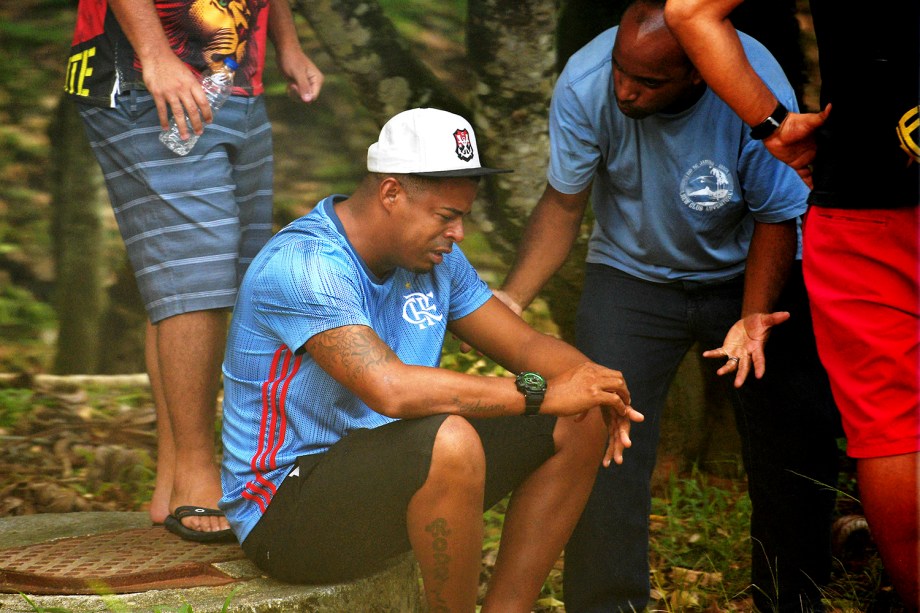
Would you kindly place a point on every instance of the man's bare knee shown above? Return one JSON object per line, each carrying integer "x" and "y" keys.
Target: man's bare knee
{"x": 584, "y": 440}
{"x": 457, "y": 452}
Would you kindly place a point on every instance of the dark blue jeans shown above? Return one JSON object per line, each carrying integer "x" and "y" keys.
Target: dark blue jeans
{"x": 787, "y": 422}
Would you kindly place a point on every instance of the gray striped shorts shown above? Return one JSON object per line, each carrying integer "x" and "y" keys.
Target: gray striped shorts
{"x": 191, "y": 225}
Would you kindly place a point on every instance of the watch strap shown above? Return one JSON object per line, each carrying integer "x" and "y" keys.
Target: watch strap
{"x": 532, "y": 403}
{"x": 769, "y": 125}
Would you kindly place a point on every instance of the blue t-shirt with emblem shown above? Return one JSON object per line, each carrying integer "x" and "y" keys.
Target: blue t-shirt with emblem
{"x": 675, "y": 196}
{"x": 278, "y": 403}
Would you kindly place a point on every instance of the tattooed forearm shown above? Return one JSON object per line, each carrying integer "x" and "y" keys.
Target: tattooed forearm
{"x": 356, "y": 348}
{"x": 476, "y": 408}
{"x": 439, "y": 548}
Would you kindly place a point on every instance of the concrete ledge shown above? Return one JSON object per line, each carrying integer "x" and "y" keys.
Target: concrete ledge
{"x": 395, "y": 590}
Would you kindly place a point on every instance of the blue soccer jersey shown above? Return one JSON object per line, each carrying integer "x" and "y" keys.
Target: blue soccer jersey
{"x": 278, "y": 403}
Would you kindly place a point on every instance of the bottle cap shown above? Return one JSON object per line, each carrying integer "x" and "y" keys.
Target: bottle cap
{"x": 231, "y": 63}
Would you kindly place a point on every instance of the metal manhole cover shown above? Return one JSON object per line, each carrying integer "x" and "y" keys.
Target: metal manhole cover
{"x": 116, "y": 562}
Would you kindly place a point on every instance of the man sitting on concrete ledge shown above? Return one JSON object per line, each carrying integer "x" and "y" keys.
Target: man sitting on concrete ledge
{"x": 345, "y": 444}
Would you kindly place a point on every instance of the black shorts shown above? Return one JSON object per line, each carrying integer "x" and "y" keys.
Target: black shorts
{"x": 341, "y": 515}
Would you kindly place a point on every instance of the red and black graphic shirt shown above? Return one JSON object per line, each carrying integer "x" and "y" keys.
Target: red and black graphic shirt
{"x": 202, "y": 33}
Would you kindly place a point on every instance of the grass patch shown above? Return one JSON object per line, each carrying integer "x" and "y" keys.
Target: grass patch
{"x": 27, "y": 327}
{"x": 700, "y": 542}
{"x": 14, "y": 403}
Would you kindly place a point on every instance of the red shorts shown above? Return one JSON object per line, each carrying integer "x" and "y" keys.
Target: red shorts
{"x": 861, "y": 272}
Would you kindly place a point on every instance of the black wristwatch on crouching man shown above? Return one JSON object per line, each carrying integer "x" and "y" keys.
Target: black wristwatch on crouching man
{"x": 533, "y": 386}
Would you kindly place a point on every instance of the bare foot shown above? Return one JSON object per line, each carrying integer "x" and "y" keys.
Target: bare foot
{"x": 159, "y": 505}
{"x": 201, "y": 489}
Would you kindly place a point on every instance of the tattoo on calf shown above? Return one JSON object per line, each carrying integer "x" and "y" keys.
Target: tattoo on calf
{"x": 439, "y": 532}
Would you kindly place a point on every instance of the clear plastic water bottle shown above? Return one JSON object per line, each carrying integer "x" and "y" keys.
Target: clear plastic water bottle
{"x": 217, "y": 86}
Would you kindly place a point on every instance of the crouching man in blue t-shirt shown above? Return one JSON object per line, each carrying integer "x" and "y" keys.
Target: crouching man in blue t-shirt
{"x": 345, "y": 444}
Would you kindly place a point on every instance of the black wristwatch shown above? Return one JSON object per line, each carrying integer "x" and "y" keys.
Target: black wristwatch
{"x": 769, "y": 125}
{"x": 533, "y": 386}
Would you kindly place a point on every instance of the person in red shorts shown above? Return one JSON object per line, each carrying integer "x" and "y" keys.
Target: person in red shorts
{"x": 860, "y": 155}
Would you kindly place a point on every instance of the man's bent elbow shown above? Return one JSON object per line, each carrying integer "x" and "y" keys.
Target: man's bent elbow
{"x": 677, "y": 12}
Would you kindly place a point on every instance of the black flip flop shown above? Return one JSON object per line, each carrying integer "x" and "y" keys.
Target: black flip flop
{"x": 174, "y": 524}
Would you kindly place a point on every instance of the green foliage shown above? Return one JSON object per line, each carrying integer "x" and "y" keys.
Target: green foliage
{"x": 855, "y": 590}
{"x": 40, "y": 609}
{"x": 470, "y": 362}
{"x": 21, "y": 314}
{"x": 26, "y": 325}
{"x": 34, "y": 51}
{"x": 700, "y": 561}
{"x": 26, "y": 34}
{"x": 117, "y": 473}
{"x": 689, "y": 536}
{"x": 14, "y": 403}
{"x": 494, "y": 518}
{"x": 183, "y": 608}
{"x": 414, "y": 19}
{"x": 34, "y": 38}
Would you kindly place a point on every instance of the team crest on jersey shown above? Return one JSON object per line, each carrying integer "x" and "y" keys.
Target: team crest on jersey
{"x": 419, "y": 310}
{"x": 464, "y": 145}
{"x": 706, "y": 186}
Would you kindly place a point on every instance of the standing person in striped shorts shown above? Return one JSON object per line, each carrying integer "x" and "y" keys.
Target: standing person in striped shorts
{"x": 190, "y": 224}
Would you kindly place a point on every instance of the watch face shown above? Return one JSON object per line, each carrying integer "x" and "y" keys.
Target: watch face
{"x": 531, "y": 382}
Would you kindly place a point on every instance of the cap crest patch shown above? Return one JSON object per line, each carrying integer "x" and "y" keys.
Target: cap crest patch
{"x": 464, "y": 145}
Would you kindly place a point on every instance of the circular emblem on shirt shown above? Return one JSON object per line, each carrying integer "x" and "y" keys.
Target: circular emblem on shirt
{"x": 706, "y": 186}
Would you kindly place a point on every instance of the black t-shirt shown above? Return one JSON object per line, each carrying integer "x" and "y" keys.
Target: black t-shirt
{"x": 869, "y": 149}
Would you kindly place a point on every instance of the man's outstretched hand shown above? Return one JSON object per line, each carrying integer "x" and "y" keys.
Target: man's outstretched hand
{"x": 744, "y": 345}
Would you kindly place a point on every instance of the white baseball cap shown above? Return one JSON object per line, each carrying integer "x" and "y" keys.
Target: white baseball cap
{"x": 429, "y": 143}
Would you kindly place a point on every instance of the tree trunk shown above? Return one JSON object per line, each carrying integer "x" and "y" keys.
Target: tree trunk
{"x": 78, "y": 239}
{"x": 366, "y": 47}
{"x": 124, "y": 324}
{"x": 511, "y": 46}
{"x": 582, "y": 20}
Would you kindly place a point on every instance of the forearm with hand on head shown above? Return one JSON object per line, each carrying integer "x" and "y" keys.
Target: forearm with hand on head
{"x": 711, "y": 42}
{"x": 707, "y": 35}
